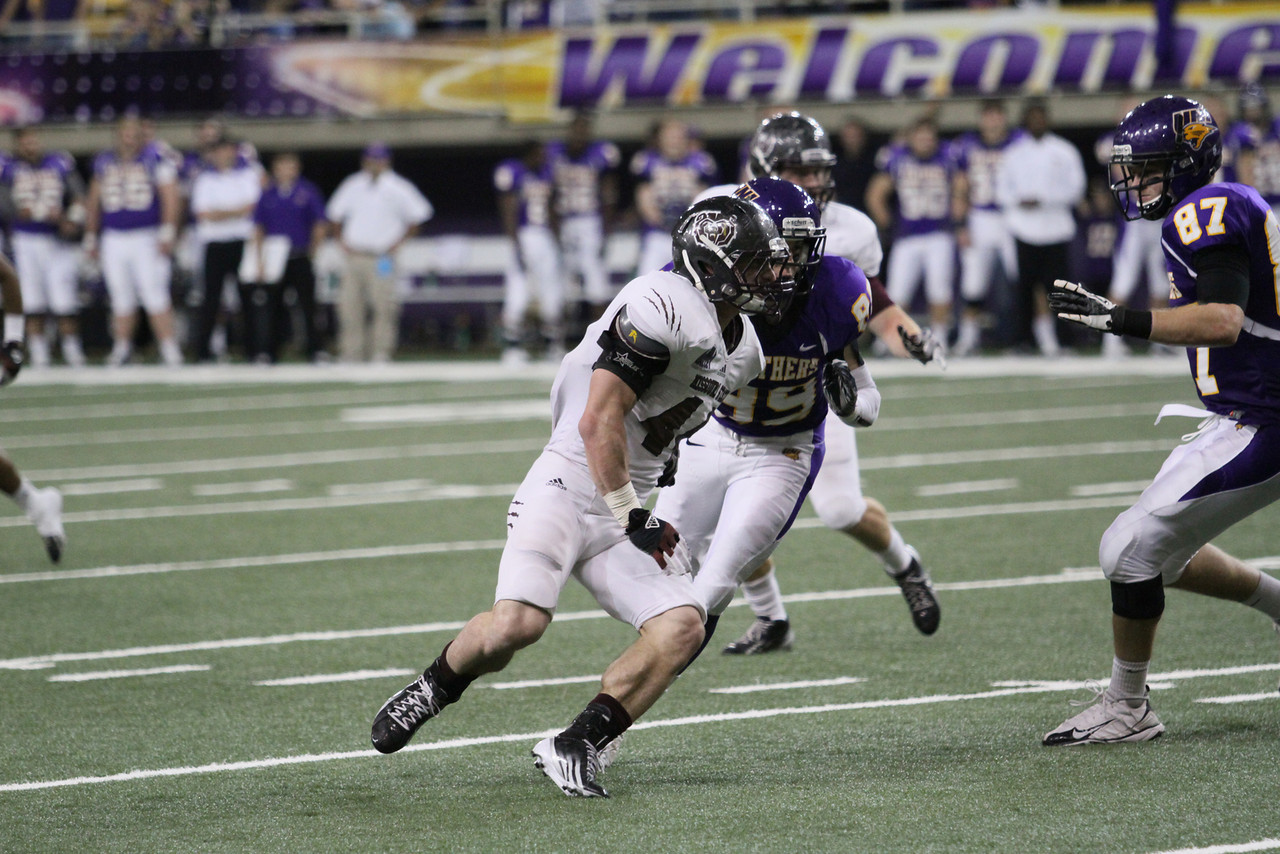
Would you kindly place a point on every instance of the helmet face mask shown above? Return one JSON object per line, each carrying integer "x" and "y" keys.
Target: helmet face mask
{"x": 730, "y": 249}
{"x": 1165, "y": 148}
{"x": 794, "y": 147}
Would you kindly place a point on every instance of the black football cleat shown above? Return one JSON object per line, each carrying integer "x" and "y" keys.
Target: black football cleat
{"x": 765, "y": 635}
{"x": 409, "y": 708}
{"x": 917, "y": 589}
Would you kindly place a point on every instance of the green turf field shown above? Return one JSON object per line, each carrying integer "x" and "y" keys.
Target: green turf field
{"x": 256, "y": 564}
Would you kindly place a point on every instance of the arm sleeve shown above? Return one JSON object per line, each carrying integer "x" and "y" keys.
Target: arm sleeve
{"x": 630, "y": 354}
{"x": 1222, "y": 275}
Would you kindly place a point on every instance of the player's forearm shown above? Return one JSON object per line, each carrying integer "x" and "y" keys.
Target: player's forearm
{"x": 1212, "y": 324}
{"x": 884, "y": 325}
{"x": 604, "y": 437}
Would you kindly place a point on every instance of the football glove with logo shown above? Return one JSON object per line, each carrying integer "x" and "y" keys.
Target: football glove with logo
{"x": 652, "y": 536}
{"x": 851, "y": 393}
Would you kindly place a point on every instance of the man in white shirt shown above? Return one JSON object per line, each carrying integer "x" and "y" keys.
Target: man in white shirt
{"x": 222, "y": 203}
{"x": 1040, "y": 180}
{"x": 375, "y": 210}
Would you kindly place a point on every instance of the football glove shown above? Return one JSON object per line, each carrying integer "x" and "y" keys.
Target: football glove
{"x": 1079, "y": 305}
{"x": 924, "y": 347}
{"x": 11, "y": 359}
{"x": 855, "y": 403}
{"x": 652, "y": 536}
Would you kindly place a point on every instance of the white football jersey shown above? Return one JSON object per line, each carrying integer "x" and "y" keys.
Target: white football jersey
{"x": 667, "y": 309}
{"x": 850, "y": 233}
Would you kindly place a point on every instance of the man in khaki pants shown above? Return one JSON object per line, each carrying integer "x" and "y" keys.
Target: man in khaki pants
{"x": 375, "y": 210}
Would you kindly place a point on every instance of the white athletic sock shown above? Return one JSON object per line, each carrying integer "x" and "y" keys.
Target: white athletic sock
{"x": 170, "y": 353}
{"x": 38, "y": 346}
{"x": 1046, "y": 335}
{"x": 23, "y": 496}
{"x": 1128, "y": 681}
{"x": 72, "y": 351}
{"x": 895, "y": 558}
{"x": 765, "y": 597}
{"x": 1267, "y": 597}
{"x": 969, "y": 333}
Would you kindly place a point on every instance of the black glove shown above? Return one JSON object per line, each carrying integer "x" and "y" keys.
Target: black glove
{"x": 651, "y": 535}
{"x": 11, "y": 359}
{"x": 1078, "y": 304}
{"x": 924, "y": 348}
{"x": 839, "y": 387}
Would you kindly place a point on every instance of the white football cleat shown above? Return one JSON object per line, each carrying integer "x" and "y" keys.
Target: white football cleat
{"x": 44, "y": 508}
{"x": 1108, "y": 722}
{"x": 608, "y": 754}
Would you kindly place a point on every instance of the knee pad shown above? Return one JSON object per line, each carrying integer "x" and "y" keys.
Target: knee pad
{"x": 839, "y": 511}
{"x": 1139, "y": 600}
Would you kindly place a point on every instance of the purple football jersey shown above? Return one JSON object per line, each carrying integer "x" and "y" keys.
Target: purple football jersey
{"x": 577, "y": 178}
{"x": 1240, "y": 136}
{"x": 291, "y": 213}
{"x": 40, "y": 188}
{"x": 675, "y": 182}
{"x": 128, "y": 188}
{"x": 980, "y": 162}
{"x": 787, "y": 397}
{"x": 532, "y": 189}
{"x": 1242, "y": 380}
{"x": 1095, "y": 246}
{"x": 922, "y": 188}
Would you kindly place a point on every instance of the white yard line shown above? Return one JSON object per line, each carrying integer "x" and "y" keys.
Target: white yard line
{"x": 787, "y": 686}
{"x": 29, "y": 662}
{"x": 1118, "y": 487}
{"x": 324, "y": 678}
{"x": 1241, "y": 698}
{"x": 1234, "y": 848}
{"x": 543, "y": 683}
{"x": 443, "y": 492}
{"x": 373, "y": 553}
{"x": 291, "y": 460}
{"x": 90, "y": 676}
{"x": 451, "y": 413}
{"x": 694, "y": 720}
{"x": 255, "y": 487}
{"x": 112, "y": 487}
{"x": 966, "y": 487}
{"x": 189, "y": 433}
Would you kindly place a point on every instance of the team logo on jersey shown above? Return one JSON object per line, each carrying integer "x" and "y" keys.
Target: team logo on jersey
{"x": 713, "y": 229}
{"x": 1174, "y": 293}
{"x": 1190, "y": 125}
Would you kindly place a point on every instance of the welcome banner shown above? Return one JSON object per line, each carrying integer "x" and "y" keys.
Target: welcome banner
{"x": 537, "y": 76}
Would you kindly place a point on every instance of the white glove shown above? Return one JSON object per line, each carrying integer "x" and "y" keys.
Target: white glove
{"x": 679, "y": 562}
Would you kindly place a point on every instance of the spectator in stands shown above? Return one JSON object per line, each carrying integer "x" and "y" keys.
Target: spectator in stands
{"x": 39, "y": 13}
{"x": 669, "y": 174}
{"x": 586, "y": 201}
{"x": 1039, "y": 182}
{"x": 133, "y": 203}
{"x": 223, "y": 199}
{"x": 852, "y": 172}
{"x": 46, "y": 195}
{"x": 524, "y": 186}
{"x": 375, "y": 211}
{"x": 290, "y": 215}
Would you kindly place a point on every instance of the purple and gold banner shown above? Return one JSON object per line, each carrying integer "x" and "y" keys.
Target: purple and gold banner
{"x": 536, "y": 76}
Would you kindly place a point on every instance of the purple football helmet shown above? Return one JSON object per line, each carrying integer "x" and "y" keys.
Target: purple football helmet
{"x": 799, "y": 221}
{"x": 1169, "y": 143}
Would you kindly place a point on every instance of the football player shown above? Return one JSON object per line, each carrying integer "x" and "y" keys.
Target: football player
{"x": 920, "y": 176}
{"x": 983, "y": 237}
{"x": 795, "y": 148}
{"x": 1253, "y": 144}
{"x": 42, "y": 506}
{"x": 524, "y": 203}
{"x": 47, "y": 195}
{"x": 744, "y": 475}
{"x": 667, "y": 351}
{"x": 586, "y": 199}
{"x": 669, "y": 176}
{"x": 131, "y": 223}
{"x": 1219, "y": 242}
